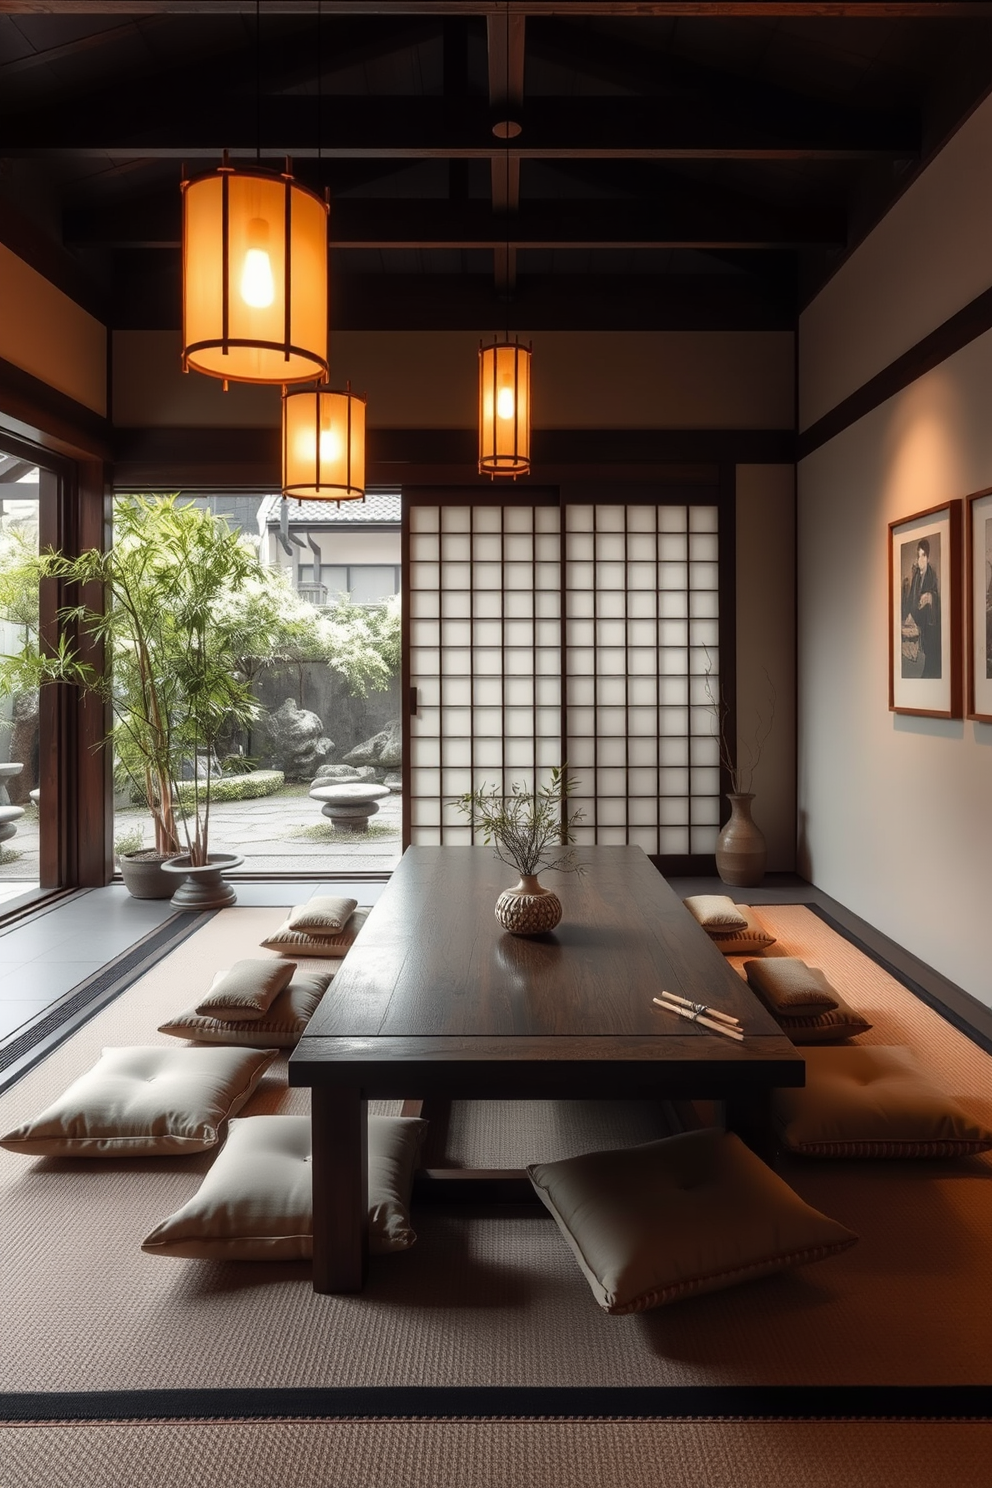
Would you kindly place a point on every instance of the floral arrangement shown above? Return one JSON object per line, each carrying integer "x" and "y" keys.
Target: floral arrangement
{"x": 527, "y": 829}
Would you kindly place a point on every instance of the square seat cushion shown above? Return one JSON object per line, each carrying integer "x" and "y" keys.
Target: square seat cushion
{"x": 745, "y": 939}
{"x": 827, "y": 1022}
{"x": 145, "y": 1102}
{"x": 324, "y": 914}
{"x": 874, "y": 1101}
{"x": 715, "y": 912}
{"x": 279, "y": 1028}
{"x": 255, "y": 1204}
{"x": 290, "y": 942}
{"x": 686, "y": 1214}
{"x": 247, "y": 989}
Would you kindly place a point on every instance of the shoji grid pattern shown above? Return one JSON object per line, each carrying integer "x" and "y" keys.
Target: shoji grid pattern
{"x": 589, "y": 634}
{"x": 641, "y": 664}
{"x": 485, "y": 656}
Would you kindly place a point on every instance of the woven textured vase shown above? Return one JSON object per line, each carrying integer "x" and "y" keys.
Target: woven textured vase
{"x": 528, "y": 909}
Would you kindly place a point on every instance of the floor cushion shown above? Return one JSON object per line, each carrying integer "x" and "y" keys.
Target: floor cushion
{"x": 247, "y": 989}
{"x": 145, "y": 1101}
{"x": 255, "y": 1204}
{"x": 810, "y": 1024}
{"x": 323, "y": 914}
{"x": 290, "y": 942}
{"x": 745, "y": 939}
{"x": 874, "y": 1101}
{"x": 687, "y": 1214}
{"x": 715, "y": 912}
{"x": 786, "y": 983}
{"x": 279, "y": 1028}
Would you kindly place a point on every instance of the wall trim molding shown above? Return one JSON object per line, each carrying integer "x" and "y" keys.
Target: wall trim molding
{"x": 34, "y": 410}
{"x": 958, "y": 331}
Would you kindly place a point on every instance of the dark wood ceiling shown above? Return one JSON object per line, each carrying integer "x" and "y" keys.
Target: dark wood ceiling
{"x": 698, "y": 166}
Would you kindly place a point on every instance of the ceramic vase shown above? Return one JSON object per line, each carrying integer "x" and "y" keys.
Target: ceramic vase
{"x": 528, "y": 909}
{"x": 203, "y": 887}
{"x": 144, "y": 874}
{"x": 740, "y": 846}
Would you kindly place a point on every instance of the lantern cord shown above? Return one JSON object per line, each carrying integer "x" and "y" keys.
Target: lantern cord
{"x": 258, "y": 82}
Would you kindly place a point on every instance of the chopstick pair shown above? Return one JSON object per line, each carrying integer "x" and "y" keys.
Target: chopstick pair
{"x": 698, "y": 1012}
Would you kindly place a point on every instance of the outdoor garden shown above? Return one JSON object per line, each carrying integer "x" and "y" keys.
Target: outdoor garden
{"x": 229, "y": 697}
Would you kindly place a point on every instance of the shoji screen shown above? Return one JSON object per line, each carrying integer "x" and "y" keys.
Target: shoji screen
{"x": 641, "y": 629}
{"x": 586, "y": 633}
{"x": 485, "y": 655}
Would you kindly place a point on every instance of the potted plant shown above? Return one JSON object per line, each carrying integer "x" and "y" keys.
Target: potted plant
{"x": 174, "y": 639}
{"x": 527, "y": 830}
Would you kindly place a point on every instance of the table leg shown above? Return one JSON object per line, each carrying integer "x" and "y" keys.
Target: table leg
{"x": 339, "y": 1121}
{"x": 750, "y": 1116}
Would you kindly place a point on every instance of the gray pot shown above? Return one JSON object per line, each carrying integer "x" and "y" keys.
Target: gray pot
{"x": 143, "y": 874}
{"x": 202, "y": 887}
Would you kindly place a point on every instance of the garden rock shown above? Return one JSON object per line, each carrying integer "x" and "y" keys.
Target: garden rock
{"x": 24, "y": 746}
{"x": 394, "y": 783}
{"x": 291, "y": 739}
{"x": 328, "y": 774}
{"x": 384, "y": 749}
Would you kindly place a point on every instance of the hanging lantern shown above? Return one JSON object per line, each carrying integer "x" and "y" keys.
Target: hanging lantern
{"x": 323, "y": 444}
{"x": 254, "y": 277}
{"x": 504, "y": 409}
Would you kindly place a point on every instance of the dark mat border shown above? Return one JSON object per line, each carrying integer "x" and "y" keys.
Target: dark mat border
{"x": 952, "y": 1015}
{"x": 68, "y": 1014}
{"x": 704, "y": 1402}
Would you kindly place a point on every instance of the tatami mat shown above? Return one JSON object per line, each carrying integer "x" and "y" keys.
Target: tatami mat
{"x": 480, "y": 1300}
{"x": 502, "y": 1454}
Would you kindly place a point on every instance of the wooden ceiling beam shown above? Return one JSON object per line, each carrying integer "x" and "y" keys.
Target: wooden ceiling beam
{"x": 805, "y": 9}
{"x": 412, "y": 128}
{"x": 402, "y": 223}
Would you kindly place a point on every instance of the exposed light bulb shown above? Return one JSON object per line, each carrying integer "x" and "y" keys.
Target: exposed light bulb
{"x": 258, "y": 287}
{"x": 330, "y": 445}
{"x": 504, "y": 403}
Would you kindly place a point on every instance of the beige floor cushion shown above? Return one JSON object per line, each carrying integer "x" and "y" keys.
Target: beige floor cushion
{"x": 715, "y": 912}
{"x": 279, "y": 1028}
{"x": 145, "y": 1102}
{"x": 324, "y": 914}
{"x": 686, "y": 1214}
{"x": 290, "y": 942}
{"x": 247, "y": 989}
{"x": 255, "y": 1203}
{"x": 874, "y": 1101}
{"x": 827, "y": 1022}
{"x": 746, "y": 939}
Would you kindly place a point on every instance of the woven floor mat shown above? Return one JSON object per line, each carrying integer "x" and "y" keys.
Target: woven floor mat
{"x": 503, "y": 1454}
{"x": 481, "y": 1301}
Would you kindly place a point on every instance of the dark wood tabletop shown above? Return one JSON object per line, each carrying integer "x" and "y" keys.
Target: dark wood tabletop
{"x": 436, "y": 1002}
{"x": 433, "y": 981}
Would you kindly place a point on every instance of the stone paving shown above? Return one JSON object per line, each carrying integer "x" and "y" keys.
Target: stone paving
{"x": 261, "y": 830}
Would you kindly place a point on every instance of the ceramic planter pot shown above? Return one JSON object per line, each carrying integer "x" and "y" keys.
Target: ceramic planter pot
{"x": 203, "y": 887}
{"x": 144, "y": 876}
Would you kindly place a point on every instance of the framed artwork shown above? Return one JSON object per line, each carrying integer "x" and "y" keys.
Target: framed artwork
{"x": 925, "y": 613}
{"x": 978, "y": 605}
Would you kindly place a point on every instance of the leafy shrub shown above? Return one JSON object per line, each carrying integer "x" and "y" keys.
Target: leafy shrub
{"x": 232, "y": 787}
{"x": 130, "y": 841}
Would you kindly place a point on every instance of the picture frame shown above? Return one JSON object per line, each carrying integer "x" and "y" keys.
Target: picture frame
{"x": 925, "y": 613}
{"x": 978, "y": 604}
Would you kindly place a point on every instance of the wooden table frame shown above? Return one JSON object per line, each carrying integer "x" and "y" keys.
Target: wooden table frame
{"x": 435, "y": 1001}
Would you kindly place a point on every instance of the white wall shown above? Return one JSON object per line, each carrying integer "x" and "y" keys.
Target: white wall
{"x": 929, "y": 257}
{"x": 895, "y": 811}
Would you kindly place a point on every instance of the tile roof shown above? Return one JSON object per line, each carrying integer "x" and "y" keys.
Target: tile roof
{"x": 378, "y": 506}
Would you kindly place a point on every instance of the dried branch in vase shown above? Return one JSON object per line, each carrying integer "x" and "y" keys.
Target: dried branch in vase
{"x": 740, "y": 762}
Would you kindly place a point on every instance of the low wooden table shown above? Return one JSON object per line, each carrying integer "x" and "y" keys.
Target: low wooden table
{"x": 434, "y": 1000}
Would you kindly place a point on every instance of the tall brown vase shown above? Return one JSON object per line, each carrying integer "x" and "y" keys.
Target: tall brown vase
{"x": 740, "y": 846}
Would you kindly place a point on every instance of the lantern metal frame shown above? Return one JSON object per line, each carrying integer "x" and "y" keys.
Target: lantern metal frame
{"x": 316, "y": 357}
{"x": 316, "y": 490}
{"x": 514, "y": 461}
